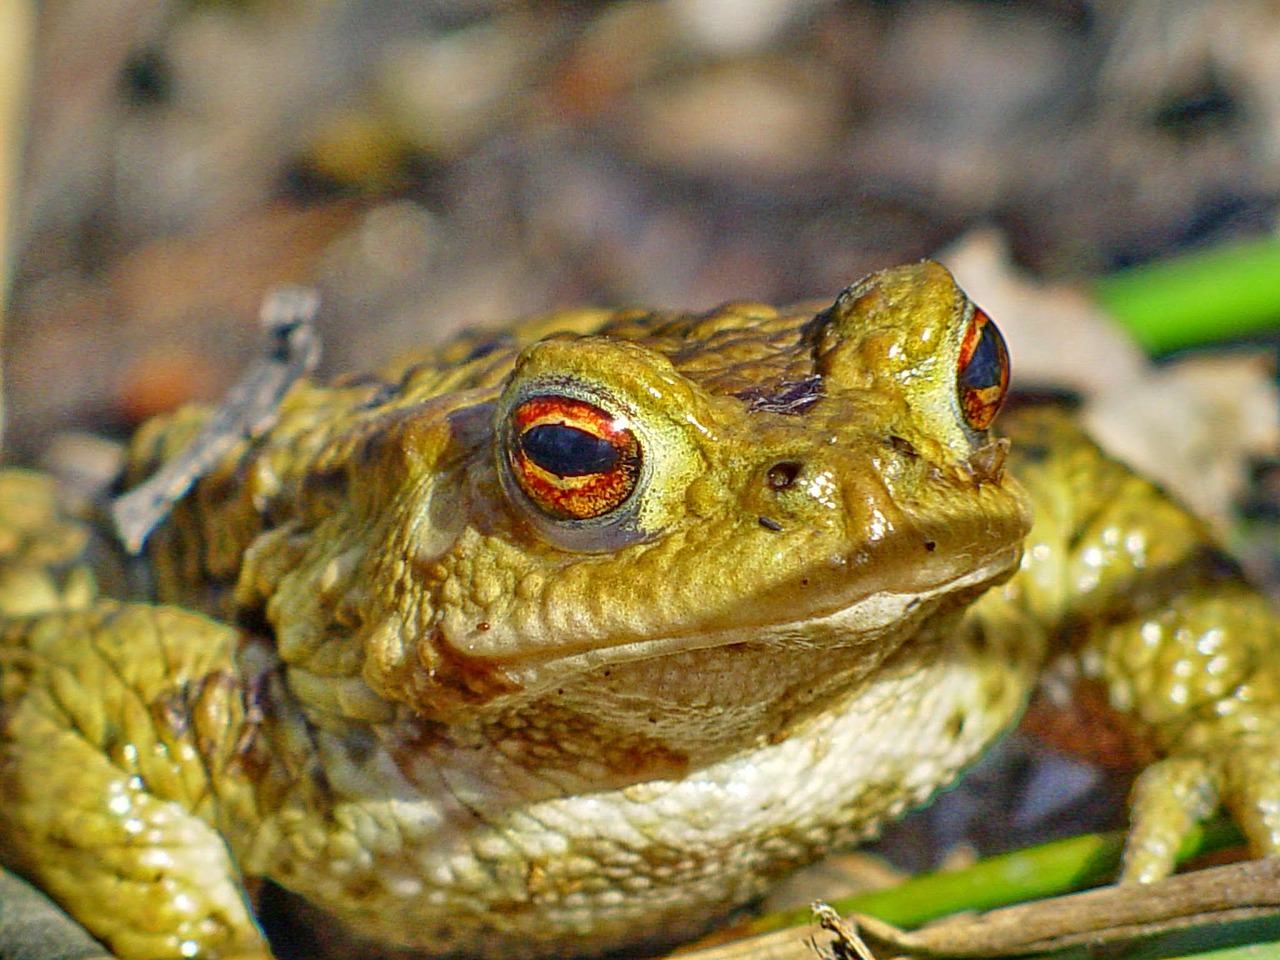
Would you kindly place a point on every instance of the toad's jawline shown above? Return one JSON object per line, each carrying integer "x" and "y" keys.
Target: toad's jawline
{"x": 865, "y": 618}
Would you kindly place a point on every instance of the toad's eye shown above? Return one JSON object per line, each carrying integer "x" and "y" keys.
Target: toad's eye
{"x": 982, "y": 373}
{"x": 572, "y": 459}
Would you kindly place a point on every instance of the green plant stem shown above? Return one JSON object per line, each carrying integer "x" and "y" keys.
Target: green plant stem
{"x": 1198, "y": 298}
{"x": 1050, "y": 869}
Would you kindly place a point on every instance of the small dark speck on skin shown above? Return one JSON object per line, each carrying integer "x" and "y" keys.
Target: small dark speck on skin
{"x": 770, "y": 524}
{"x": 380, "y": 391}
{"x": 485, "y": 346}
{"x": 1031, "y": 452}
{"x": 787, "y": 397}
{"x": 175, "y": 711}
{"x": 955, "y": 724}
{"x": 995, "y": 690}
{"x": 913, "y": 603}
{"x": 902, "y": 446}
{"x": 931, "y": 545}
{"x": 333, "y": 482}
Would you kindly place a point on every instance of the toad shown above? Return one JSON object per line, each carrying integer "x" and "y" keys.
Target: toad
{"x": 545, "y": 641}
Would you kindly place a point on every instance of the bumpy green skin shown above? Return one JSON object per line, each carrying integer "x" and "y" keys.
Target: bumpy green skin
{"x": 1148, "y": 607}
{"x": 452, "y": 723}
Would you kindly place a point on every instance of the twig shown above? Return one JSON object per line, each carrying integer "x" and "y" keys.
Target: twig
{"x": 1117, "y": 914}
{"x": 17, "y": 28}
{"x": 249, "y": 409}
{"x": 847, "y": 943}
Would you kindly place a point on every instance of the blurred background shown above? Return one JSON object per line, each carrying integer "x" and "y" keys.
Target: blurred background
{"x": 432, "y": 165}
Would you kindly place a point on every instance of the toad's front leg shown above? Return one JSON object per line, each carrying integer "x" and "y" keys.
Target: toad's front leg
{"x": 1202, "y": 676}
{"x": 117, "y": 732}
{"x": 1154, "y": 615}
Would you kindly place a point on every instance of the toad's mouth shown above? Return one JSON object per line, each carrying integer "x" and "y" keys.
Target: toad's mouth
{"x": 844, "y": 622}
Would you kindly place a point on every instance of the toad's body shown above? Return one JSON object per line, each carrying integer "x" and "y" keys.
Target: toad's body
{"x": 551, "y": 642}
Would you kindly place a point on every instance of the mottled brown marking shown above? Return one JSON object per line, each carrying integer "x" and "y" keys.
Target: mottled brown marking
{"x": 954, "y": 726}
{"x": 1089, "y": 727}
{"x": 648, "y": 760}
{"x": 562, "y": 738}
{"x": 536, "y": 880}
{"x": 171, "y": 710}
{"x": 463, "y": 680}
{"x": 362, "y": 886}
{"x": 332, "y": 482}
{"x": 902, "y": 446}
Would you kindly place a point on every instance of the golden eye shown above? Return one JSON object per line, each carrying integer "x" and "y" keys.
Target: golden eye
{"x": 572, "y": 459}
{"x": 982, "y": 372}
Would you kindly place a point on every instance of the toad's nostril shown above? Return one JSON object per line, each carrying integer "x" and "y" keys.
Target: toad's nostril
{"x": 782, "y": 475}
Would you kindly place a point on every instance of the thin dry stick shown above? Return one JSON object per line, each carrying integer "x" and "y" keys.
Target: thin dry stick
{"x": 17, "y": 29}
{"x": 1118, "y": 914}
{"x": 291, "y": 352}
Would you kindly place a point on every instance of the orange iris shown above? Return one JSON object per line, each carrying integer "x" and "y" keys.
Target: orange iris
{"x": 572, "y": 459}
{"x": 982, "y": 372}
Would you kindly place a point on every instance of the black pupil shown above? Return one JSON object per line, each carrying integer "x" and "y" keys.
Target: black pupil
{"x": 986, "y": 367}
{"x": 567, "y": 451}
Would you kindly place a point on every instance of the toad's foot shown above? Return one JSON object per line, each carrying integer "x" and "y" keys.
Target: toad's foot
{"x": 105, "y": 794}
